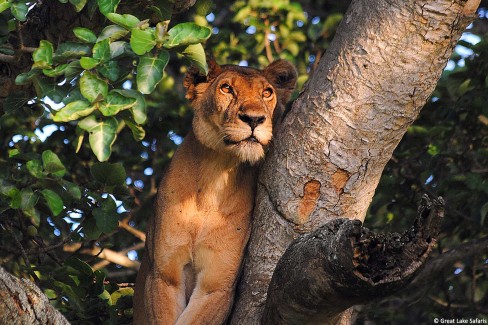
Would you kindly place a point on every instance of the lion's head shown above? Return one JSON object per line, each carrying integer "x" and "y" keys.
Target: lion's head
{"x": 235, "y": 106}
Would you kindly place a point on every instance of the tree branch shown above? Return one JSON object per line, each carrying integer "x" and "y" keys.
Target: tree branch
{"x": 22, "y": 301}
{"x": 106, "y": 254}
{"x": 102, "y": 264}
{"x": 136, "y": 232}
{"x": 341, "y": 264}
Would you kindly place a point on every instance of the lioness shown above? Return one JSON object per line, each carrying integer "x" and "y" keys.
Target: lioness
{"x": 196, "y": 240}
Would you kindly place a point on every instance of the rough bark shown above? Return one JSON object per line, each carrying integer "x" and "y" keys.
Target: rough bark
{"x": 21, "y": 302}
{"x": 327, "y": 159}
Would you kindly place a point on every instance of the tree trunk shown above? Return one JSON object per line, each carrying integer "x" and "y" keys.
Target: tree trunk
{"x": 21, "y": 302}
{"x": 330, "y": 152}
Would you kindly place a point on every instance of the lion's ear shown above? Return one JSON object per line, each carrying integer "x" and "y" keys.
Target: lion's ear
{"x": 283, "y": 76}
{"x": 194, "y": 77}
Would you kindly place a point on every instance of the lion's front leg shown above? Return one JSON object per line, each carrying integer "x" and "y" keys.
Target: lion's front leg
{"x": 165, "y": 300}
{"x": 217, "y": 260}
{"x": 164, "y": 288}
{"x": 207, "y": 308}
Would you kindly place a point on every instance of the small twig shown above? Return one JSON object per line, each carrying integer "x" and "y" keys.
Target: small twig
{"x": 277, "y": 46}
{"x": 24, "y": 256}
{"x": 137, "y": 233}
{"x": 42, "y": 250}
{"x": 126, "y": 285}
{"x": 102, "y": 264}
{"x": 27, "y": 49}
{"x": 106, "y": 254}
{"x": 7, "y": 58}
{"x": 446, "y": 303}
{"x": 267, "y": 45}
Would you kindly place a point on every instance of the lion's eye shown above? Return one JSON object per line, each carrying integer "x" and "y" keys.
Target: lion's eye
{"x": 267, "y": 92}
{"x": 225, "y": 88}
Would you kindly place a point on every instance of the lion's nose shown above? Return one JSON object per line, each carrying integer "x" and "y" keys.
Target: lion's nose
{"x": 252, "y": 120}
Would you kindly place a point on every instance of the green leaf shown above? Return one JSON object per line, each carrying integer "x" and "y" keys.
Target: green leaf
{"x": 71, "y": 50}
{"x": 88, "y": 63}
{"x": 91, "y": 230}
{"x": 110, "y": 70}
{"x": 115, "y": 103}
{"x": 92, "y": 87}
{"x": 13, "y": 153}
{"x": 43, "y": 55}
{"x": 72, "y": 188}
{"x": 196, "y": 54}
{"x": 433, "y": 149}
{"x": 121, "y": 293}
{"x": 80, "y": 135}
{"x": 113, "y": 33}
{"x": 74, "y": 111}
{"x": 101, "y": 50}
{"x": 107, "y": 6}
{"x": 106, "y": 216}
{"x": 105, "y": 295}
{"x": 4, "y": 5}
{"x": 28, "y": 199}
{"x": 85, "y": 35}
{"x": 186, "y": 34}
{"x": 150, "y": 71}
{"x": 26, "y": 77}
{"x": 80, "y": 266}
{"x": 6, "y": 188}
{"x": 48, "y": 87}
{"x": 15, "y": 198}
{"x": 139, "y": 108}
{"x": 19, "y": 10}
{"x": 33, "y": 215}
{"x": 15, "y": 101}
{"x": 120, "y": 48}
{"x": 78, "y": 4}
{"x": 35, "y": 168}
{"x": 72, "y": 71}
{"x": 138, "y": 131}
{"x": 52, "y": 164}
{"x": 142, "y": 41}
{"x": 127, "y": 21}
{"x": 109, "y": 174}
{"x": 242, "y": 14}
{"x": 465, "y": 86}
{"x": 53, "y": 201}
{"x": 102, "y": 135}
{"x": 57, "y": 71}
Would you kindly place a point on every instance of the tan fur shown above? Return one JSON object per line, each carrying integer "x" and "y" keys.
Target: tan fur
{"x": 196, "y": 240}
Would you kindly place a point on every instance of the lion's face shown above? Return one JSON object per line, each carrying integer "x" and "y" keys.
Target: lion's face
{"x": 234, "y": 107}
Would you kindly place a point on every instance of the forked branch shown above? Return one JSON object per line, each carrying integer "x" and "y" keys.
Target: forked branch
{"x": 342, "y": 264}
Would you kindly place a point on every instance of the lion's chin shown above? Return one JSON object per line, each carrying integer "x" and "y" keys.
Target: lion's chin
{"x": 248, "y": 151}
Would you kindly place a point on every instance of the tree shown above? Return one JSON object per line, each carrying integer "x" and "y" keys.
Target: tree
{"x": 325, "y": 164}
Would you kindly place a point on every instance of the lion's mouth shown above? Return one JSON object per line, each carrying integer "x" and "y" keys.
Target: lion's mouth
{"x": 250, "y": 139}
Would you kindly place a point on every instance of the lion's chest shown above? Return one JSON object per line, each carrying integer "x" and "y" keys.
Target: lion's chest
{"x": 217, "y": 214}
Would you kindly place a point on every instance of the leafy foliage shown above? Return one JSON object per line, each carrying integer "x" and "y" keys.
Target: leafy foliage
{"x": 101, "y": 67}
{"x": 96, "y": 113}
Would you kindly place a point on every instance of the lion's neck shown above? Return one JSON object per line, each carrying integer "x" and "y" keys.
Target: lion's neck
{"x": 216, "y": 177}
